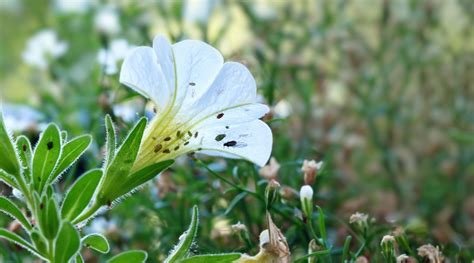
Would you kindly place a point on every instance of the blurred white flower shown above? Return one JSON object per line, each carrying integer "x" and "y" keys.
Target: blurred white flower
{"x": 358, "y": 218}
{"x": 109, "y": 58}
{"x": 72, "y": 6}
{"x": 283, "y": 109}
{"x": 306, "y": 192}
{"x": 19, "y": 118}
{"x": 101, "y": 225}
{"x": 43, "y": 47}
{"x": 387, "y": 239}
{"x": 264, "y": 9}
{"x": 127, "y": 110}
{"x": 18, "y": 194}
{"x": 107, "y": 21}
{"x": 402, "y": 258}
{"x": 203, "y": 105}
{"x": 197, "y": 10}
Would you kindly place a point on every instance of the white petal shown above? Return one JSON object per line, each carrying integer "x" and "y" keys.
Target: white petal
{"x": 251, "y": 141}
{"x": 165, "y": 56}
{"x": 141, "y": 72}
{"x": 197, "y": 65}
{"x": 237, "y": 115}
{"x": 234, "y": 86}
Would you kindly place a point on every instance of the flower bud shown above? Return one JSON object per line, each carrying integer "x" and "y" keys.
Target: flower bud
{"x": 388, "y": 248}
{"x": 359, "y": 220}
{"x": 310, "y": 169}
{"x": 306, "y": 197}
{"x": 271, "y": 192}
{"x": 313, "y": 247}
{"x": 270, "y": 171}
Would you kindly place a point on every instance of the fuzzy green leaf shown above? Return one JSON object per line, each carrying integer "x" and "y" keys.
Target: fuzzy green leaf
{"x": 8, "y": 179}
{"x": 12, "y": 210}
{"x": 67, "y": 243}
{"x": 48, "y": 218}
{"x": 39, "y": 242}
{"x": 121, "y": 165}
{"x": 97, "y": 242}
{"x": 132, "y": 256}
{"x": 80, "y": 194}
{"x": 215, "y": 258}
{"x": 181, "y": 250}
{"x": 111, "y": 142}
{"x": 46, "y": 156}
{"x": 23, "y": 146}
{"x": 8, "y": 161}
{"x": 71, "y": 152}
{"x": 19, "y": 241}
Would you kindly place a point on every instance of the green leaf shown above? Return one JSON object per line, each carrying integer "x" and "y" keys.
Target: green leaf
{"x": 144, "y": 175}
{"x": 97, "y": 242}
{"x": 322, "y": 224}
{"x": 80, "y": 194}
{"x": 23, "y": 146}
{"x": 9, "y": 208}
{"x": 345, "y": 250}
{"x": 215, "y": 258}
{"x": 46, "y": 156}
{"x": 234, "y": 202}
{"x": 79, "y": 259}
{"x": 186, "y": 240}
{"x": 132, "y": 256}
{"x": 67, "y": 243}
{"x": 39, "y": 242}
{"x": 71, "y": 152}
{"x": 8, "y": 161}
{"x": 317, "y": 254}
{"x": 121, "y": 165}
{"x": 111, "y": 142}
{"x": 48, "y": 218}
{"x": 8, "y": 179}
{"x": 20, "y": 241}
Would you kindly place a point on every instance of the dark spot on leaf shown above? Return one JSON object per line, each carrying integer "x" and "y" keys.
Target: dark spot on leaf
{"x": 24, "y": 147}
{"x": 166, "y": 151}
{"x": 158, "y": 148}
{"x": 167, "y": 139}
{"x": 109, "y": 203}
{"x": 192, "y": 83}
{"x": 220, "y": 137}
{"x": 220, "y": 115}
{"x": 230, "y": 143}
{"x": 41, "y": 206}
{"x": 49, "y": 145}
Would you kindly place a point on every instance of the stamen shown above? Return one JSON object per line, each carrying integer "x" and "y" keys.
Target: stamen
{"x": 230, "y": 143}
{"x": 167, "y": 139}
{"x": 166, "y": 151}
{"x": 195, "y": 134}
{"x": 158, "y": 148}
{"x": 176, "y": 148}
{"x": 186, "y": 143}
{"x": 190, "y": 134}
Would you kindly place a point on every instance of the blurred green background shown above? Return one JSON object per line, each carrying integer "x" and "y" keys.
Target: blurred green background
{"x": 381, "y": 91}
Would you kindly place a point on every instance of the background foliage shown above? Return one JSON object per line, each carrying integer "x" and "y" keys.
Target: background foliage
{"x": 381, "y": 91}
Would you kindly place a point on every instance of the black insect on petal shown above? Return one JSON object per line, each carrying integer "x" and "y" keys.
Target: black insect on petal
{"x": 196, "y": 134}
{"x": 192, "y": 83}
{"x": 230, "y": 143}
{"x": 220, "y": 137}
{"x": 220, "y": 115}
{"x": 166, "y": 151}
{"x": 227, "y": 127}
{"x": 167, "y": 139}
{"x": 49, "y": 145}
{"x": 158, "y": 148}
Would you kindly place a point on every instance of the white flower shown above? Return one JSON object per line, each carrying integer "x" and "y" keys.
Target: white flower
{"x": 72, "y": 6}
{"x": 18, "y": 194}
{"x": 107, "y": 21}
{"x": 402, "y": 258}
{"x": 283, "y": 109}
{"x": 203, "y": 104}
{"x": 306, "y": 193}
{"x": 197, "y": 10}
{"x": 358, "y": 218}
{"x": 20, "y": 118}
{"x": 42, "y": 47}
{"x": 110, "y": 57}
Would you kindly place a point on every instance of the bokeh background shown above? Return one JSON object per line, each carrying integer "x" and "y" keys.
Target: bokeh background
{"x": 381, "y": 91}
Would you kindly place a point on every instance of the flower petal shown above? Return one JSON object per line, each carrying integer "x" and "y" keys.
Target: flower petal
{"x": 251, "y": 141}
{"x": 197, "y": 65}
{"x": 141, "y": 72}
